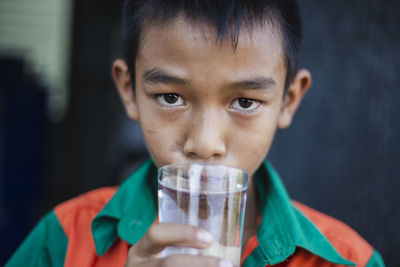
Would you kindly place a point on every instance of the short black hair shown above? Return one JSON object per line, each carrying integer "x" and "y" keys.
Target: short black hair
{"x": 226, "y": 16}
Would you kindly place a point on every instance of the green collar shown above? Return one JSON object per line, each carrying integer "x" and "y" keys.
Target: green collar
{"x": 282, "y": 228}
{"x": 129, "y": 212}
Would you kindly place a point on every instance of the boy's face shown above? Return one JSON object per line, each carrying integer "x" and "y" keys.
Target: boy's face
{"x": 202, "y": 101}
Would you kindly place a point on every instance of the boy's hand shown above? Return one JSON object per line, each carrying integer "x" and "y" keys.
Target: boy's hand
{"x": 161, "y": 235}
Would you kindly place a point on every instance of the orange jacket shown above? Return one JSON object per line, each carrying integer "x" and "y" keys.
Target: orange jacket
{"x": 97, "y": 229}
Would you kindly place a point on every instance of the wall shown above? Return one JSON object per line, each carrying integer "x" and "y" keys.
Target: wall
{"x": 341, "y": 154}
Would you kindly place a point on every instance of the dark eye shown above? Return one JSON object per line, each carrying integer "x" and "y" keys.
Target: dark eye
{"x": 245, "y": 104}
{"x": 170, "y": 100}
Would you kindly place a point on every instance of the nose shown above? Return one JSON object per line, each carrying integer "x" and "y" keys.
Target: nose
{"x": 205, "y": 136}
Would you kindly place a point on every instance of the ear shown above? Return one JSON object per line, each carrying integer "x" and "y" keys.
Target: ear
{"x": 293, "y": 97}
{"x": 123, "y": 83}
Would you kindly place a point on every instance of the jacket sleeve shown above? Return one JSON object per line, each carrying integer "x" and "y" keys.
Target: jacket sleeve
{"x": 375, "y": 260}
{"x": 45, "y": 245}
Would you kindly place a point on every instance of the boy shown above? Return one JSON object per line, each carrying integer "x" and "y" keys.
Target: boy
{"x": 208, "y": 81}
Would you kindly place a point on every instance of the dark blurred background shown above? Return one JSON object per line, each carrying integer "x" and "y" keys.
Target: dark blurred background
{"x": 63, "y": 130}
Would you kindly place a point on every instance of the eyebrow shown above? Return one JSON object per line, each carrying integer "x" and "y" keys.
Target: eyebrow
{"x": 255, "y": 83}
{"x": 156, "y": 75}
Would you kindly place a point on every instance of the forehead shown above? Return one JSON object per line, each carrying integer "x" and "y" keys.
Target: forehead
{"x": 187, "y": 45}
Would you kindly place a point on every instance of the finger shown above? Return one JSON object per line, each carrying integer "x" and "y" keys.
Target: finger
{"x": 161, "y": 235}
{"x": 188, "y": 260}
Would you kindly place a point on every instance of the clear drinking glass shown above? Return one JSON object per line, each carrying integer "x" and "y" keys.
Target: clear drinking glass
{"x": 209, "y": 196}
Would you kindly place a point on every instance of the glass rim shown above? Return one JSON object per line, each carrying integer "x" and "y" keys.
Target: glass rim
{"x": 176, "y": 165}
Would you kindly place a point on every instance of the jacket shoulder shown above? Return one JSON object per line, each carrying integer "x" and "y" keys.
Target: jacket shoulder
{"x": 342, "y": 237}
{"x": 82, "y": 208}
{"x": 44, "y": 246}
{"x": 75, "y": 217}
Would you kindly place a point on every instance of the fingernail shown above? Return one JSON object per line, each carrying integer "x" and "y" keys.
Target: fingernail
{"x": 225, "y": 263}
{"x": 204, "y": 236}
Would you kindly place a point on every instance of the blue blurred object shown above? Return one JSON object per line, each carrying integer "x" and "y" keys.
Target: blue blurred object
{"x": 22, "y": 147}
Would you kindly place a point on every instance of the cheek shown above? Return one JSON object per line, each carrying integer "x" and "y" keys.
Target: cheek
{"x": 255, "y": 150}
{"x": 258, "y": 137}
{"x": 162, "y": 141}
